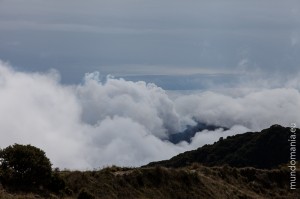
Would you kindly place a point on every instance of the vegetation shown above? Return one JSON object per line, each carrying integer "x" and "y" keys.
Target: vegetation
{"x": 266, "y": 149}
{"x": 24, "y": 167}
{"x": 84, "y": 194}
{"x": 195, "y": 181}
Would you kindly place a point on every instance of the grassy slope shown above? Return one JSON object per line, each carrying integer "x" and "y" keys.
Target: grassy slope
{"x": 194, "y": 182}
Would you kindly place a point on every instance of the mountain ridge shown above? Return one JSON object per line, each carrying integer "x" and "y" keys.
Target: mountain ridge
{"x": 265, "y": 149}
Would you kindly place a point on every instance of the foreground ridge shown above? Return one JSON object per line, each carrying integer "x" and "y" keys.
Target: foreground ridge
{"x": 195, "y": 182}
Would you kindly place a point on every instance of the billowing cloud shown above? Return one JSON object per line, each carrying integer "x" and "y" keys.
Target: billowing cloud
{"x": 88, "y": 125}
{"x": 114, "y": 121}
{"x": 35, "y": 109}
{"x": 122, "y": 141}
{"x": 255, "y": 110}
{"x": 147, "y": 104}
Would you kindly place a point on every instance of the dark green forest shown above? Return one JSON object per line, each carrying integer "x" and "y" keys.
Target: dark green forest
{"x": 264, "y": 150}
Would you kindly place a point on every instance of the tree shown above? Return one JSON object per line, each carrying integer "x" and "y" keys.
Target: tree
{"x": 24, "y": 166}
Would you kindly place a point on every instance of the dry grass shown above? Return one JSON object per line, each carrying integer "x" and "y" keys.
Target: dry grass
{"x": 195, "y": 181}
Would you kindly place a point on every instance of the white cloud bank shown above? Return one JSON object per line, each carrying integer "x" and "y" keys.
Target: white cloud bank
{"x": 122, "y": 122}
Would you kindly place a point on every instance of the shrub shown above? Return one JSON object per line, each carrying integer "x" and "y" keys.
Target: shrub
{"x": 57, "y": 183}
{"x": 84, "y": 194}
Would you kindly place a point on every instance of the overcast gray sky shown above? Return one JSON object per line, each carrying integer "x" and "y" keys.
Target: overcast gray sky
{"x": 151, "y": 37}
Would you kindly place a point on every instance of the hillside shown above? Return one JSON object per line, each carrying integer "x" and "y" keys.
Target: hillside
{"x": 266, "y": 149}
{"x": 193, "y": 182}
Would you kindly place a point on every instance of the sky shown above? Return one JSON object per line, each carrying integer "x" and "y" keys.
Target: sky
{"x": 142, "y": 37}
{"x": 99, "y": 83}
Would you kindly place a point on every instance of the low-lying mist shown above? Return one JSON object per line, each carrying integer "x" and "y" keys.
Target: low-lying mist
{"x": 100, "y": 123}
